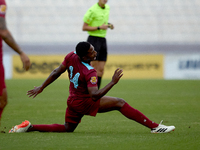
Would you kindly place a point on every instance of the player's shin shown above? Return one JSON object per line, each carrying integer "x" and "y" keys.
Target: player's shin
{"x": 137, "y": 116}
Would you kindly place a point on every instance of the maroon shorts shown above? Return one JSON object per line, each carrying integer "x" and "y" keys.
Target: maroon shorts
{"x": 2, "y": 79}
{"x": 77, "y": 108}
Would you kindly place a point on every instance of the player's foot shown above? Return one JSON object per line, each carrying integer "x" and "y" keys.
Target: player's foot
{"x": 162, "y": 128}
{"x": 23, "y": 127}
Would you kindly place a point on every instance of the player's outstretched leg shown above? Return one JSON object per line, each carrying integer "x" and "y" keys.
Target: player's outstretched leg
{"x": 136, "y": 115}
{"x": 67, "y": 127}
{"x": 23, "y": 127}
{"x": 112, "y": 103}
{"x": 26, "y": 126}
{"x": 162, "y": 128}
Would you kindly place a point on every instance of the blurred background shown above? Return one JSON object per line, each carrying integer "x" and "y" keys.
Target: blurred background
{"x": 141, "y": 26}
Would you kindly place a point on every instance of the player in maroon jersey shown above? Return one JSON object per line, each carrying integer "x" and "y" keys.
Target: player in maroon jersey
{"x": 6, "y": 36}
{"x": 84, "y": 96}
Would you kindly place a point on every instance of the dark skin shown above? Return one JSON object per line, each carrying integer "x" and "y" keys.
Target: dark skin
{"x": 107, "y": 103}
{"x": 7, "y": 37}
{"x": 9, "y": 40}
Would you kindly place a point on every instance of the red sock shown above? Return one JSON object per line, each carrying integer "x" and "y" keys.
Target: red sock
{"x": 136, "y": 115}
{"x": 48, "y": 128}
{"x": 1, "y": 111}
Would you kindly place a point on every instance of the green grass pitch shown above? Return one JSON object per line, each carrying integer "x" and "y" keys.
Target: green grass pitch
{"x": 177, "y": 102}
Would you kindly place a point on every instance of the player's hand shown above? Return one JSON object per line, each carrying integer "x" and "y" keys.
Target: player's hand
{"x": 25, "y": 60}
{"x": 111, "y": 26}
{"x": 34, "y": 92}
{"x": 117, "y": 75}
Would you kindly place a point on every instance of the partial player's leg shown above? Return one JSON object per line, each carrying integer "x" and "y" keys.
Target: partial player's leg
{"x": 108, "y": 103}
{"x": 3, "y": 91}
{"x": 3, "y": 101}
{"x": 67, "y": 127}
{"x": 26, "y": 126}
{"x": 112, "y": 103}
{"x": 72, "y": 119}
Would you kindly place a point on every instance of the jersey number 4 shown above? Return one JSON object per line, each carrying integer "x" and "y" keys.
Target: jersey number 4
{"x": 74, "y": 80}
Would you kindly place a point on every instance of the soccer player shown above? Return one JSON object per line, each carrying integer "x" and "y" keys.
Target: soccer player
{"x": 9, "y": 40}
{"x": 84, "y": 96}
{"x": 96, "y": 23}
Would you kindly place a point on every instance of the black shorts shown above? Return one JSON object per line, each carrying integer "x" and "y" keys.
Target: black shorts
{"x": 100, "y": 46}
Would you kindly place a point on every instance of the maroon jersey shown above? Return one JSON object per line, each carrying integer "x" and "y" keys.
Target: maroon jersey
{"x": 81, "y": 76}
{"x": 2, "y": 14}
{"x": 2, "y": 78}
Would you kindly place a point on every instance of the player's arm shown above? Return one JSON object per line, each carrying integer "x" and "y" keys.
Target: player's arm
{"x": 96, "y": 94}
{"x": 8, "y": 39}
{"x": 86, "y": 27}
{"x": 52, "y": 77}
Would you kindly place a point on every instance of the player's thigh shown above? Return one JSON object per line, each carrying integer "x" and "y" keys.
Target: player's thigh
{"x": 108, "y": 103}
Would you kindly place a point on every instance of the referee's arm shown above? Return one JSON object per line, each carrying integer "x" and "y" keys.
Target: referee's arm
{"x": 86, "y": 27}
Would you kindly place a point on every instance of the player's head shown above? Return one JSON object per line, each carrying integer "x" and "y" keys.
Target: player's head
{"x": 86, "y": 51}
{"x": 82, "y": 48}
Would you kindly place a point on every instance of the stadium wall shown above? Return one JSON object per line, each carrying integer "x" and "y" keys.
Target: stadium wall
{"x": 135, "y": 21}
{"x": 168, "y": 31}
{"x": 151, "y": 66}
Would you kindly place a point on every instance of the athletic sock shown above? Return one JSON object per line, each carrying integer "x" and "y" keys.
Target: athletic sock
{"x": 99, "y": 82}
{"x": 136, "y": 115}
{"x": 48, "y": 128}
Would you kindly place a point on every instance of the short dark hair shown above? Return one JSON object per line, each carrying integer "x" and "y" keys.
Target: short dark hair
{"x": 82, "y": 48}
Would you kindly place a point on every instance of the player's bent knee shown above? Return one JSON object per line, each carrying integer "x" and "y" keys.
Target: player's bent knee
{"x": 70, "y": 127}
{"x": 121, "y": 102}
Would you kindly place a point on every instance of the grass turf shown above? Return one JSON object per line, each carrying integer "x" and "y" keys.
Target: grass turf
{"x": 177, "y": 102}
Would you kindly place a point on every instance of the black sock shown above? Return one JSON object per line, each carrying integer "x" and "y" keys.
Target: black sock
{"x": 99, "y": 82}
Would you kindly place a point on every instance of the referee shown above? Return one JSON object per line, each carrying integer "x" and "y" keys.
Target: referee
{"x": 96, "y": 23}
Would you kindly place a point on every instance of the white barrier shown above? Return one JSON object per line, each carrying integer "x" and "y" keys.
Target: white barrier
{"x": 173, "y": 67}
{"x": 182, "y": 67}
{"x": 8, "y": 65}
